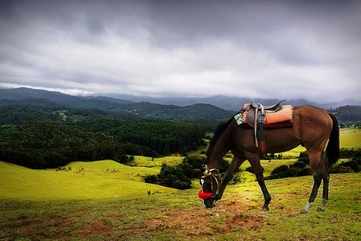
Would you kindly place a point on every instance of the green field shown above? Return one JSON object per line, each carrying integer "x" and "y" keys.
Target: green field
{"x": 85, "y": 180}
{"x": 105, "y": 200}
{"x": 350, "y": 138}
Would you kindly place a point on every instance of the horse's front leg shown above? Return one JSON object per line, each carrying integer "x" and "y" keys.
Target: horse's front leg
{"x": 258, "y": 171}
{"x": 236, "y": 162}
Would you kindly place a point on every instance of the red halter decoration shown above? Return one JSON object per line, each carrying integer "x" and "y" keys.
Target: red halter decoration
{"x": 205, "y": 195}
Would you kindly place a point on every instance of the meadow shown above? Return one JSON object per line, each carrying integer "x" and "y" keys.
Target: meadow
{"x": 105, "y": 200}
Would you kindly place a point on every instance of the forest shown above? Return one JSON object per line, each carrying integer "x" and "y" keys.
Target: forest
{"x": 43, "y": 137}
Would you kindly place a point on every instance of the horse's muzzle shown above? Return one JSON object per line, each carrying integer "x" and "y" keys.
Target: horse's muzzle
{"x": 209, "y": 203}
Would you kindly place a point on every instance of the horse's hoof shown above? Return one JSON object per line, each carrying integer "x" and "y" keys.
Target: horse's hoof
{"x": 321, "y": 209}
{"x": 265, "y": 208}
{"x": 304, "y": 211}
{"x": 306, "y": 208}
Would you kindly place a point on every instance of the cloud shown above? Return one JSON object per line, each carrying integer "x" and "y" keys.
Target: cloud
{"x": 195, "y": 48}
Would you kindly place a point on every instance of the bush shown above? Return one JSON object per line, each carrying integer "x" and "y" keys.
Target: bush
{"x": 301, "y": 168}
{"x": 279, "y": 170}
{"x": 299, "y": 164}
{"x": 181, "y": 176}
{"x": 295, "y": 170}
{"x": 349, "y": 166}
{"x": 350, "y": 153}
{"x": 341, "y": 169}
{"x": 303, "y": 157}
{"x": 170, "y": 177}
{"x": 357, "y": 158}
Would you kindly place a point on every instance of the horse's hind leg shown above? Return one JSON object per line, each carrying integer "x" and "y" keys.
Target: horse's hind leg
{"x": 326, "y": 181}
{"x": 316, "y": 184}
{"x": 318, "y": 174}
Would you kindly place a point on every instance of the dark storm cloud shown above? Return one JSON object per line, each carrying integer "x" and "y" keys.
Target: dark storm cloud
{"x": 253, "y": 48}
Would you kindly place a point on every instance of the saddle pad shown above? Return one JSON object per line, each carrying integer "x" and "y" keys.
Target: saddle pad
{"x": 281, "y": 116}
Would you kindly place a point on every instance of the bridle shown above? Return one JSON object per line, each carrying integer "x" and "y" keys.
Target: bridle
{"x": 213, "y": 174}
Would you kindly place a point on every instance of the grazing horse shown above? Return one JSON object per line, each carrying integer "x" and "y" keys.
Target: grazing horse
{"x": 312, "y": 127}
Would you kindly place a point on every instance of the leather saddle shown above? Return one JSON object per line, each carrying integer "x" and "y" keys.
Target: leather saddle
{"x": 274, "y": 108}
{"x": 259, "y": 117}
{"x": 270, "y": 116}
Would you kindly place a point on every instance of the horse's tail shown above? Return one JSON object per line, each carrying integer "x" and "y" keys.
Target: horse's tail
{"x": 333, "y": 147}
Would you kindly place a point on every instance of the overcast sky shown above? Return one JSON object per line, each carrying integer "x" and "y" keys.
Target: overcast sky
{"x": 283, "y": 49}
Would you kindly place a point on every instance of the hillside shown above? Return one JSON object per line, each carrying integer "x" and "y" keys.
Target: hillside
{"x": 348, "y": 113}
{"x": 231, "y": 103}
{"x": 50, "y": 140}
{"x": 113, "y": 106}
{"x": 106, "y": 201}
{"x": 209, "y": 109}
{"x": 77, "y": 180}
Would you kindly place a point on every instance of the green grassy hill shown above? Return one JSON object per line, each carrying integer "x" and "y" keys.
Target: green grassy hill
{"x": 105, "y": 200}
{"x": 179, "y": 215}
{"x": 84, "y": 180}
{"x": 350, "y": 138}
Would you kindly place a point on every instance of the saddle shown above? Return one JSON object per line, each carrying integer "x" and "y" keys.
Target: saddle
{"x": 259, "y": 117}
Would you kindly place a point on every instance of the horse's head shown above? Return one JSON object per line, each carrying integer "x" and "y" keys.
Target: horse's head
{"x": 211, "y": 179}
{"x": 210, "y": 182}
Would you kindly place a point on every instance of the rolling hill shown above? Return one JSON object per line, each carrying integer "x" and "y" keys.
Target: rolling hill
{"x": 231, "y": 103}
{"x": 108, "y": 201}
{"x": 211, "y": 109}
{"x": 57, "y": 100}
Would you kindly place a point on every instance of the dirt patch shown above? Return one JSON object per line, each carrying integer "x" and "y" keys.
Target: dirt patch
{"x": 191, "y": 222}
{"x": 243, "y": 221}
{"x": 288, "y": 211}
{"x": 226, "y": 217}
{"x": 114, "y": 215}
{"x": 52, "y": 226}
{"x": 98, "y": 227}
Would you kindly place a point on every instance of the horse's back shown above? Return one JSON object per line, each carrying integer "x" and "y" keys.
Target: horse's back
{"x": 311, "y": 123}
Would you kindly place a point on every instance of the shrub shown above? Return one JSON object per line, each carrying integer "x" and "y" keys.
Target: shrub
{"x": 170, "y": 177}
{"x": 181, "y": 175}
{"x": 341, "y": 169}
{"x": 294, "y": 170}
{"x": 303, "y": 157}
{"x": 349, "y": 166}
{"x": 301, "y": 168}
{"x": 279, "y": 170}
{"x": 299, "y": 164}
{"x": 350, "y": 153}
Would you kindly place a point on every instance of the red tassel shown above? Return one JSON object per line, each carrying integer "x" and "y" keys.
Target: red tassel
{"x": 205, "y": 195}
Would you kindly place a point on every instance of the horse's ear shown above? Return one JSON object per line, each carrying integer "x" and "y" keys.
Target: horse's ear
{"x": 205, "y": 169}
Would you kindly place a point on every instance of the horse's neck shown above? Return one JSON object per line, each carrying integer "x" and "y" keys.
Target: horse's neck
{"x": 220, "y": 148}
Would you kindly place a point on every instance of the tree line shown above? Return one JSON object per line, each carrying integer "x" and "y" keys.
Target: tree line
{"x": 47, "y": 138}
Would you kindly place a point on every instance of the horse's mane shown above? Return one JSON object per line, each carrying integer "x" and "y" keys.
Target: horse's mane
{"x": 218, "y": 132}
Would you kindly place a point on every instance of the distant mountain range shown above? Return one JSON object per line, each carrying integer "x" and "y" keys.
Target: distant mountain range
{"x": 229, "y": 102}
{"x": 36, "y": 97}
{"x": 224, "y": 102}
{"x": 174, "y": 108}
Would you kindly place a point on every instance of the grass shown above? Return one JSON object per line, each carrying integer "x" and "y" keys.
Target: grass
{"x": 105, "y": 200}
{"x": 180, "y": 216}
{"x": 350, "y": 138}
{"x": 145, "y": 161}
{"x": 85, "y": 180}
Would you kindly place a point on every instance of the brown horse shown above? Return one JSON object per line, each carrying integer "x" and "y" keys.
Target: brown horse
{"x": 314, "y": 128}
